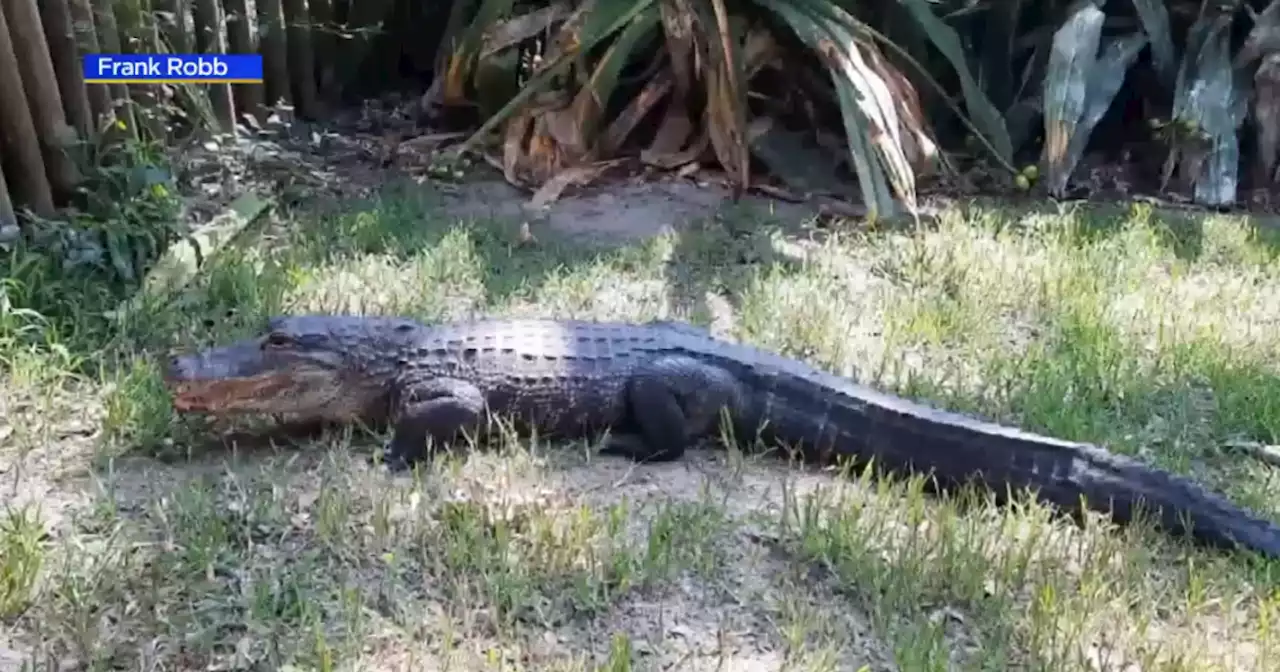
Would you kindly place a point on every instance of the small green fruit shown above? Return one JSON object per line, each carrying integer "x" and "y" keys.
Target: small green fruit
{"x": 1022, "y": 182}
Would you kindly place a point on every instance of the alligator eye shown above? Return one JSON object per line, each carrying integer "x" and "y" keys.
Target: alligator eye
{"x": 276, "y": 340}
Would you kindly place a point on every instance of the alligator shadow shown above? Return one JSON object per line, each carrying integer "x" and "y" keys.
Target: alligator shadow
{"x": 970, "y": 495}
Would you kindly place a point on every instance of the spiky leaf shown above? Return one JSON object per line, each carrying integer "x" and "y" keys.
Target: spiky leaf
{"x": 593, "y": 98}
{"x": 726, "y": 108}
{"x": 1066, "y": 89}
{"x": 865, "y": 106}
{"x": 462, "y": 59}
{"x": 984, "y": 113}
{"x": 1105, "y": 80}
{"x": 1155, "y": 21}
{"x": 608, "y": 18}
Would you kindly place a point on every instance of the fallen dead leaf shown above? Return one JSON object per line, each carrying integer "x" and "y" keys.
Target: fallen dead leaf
{"x": 634, "y": 112}
{"x": 509, "y": 33}
{"x": 582, "y": 175}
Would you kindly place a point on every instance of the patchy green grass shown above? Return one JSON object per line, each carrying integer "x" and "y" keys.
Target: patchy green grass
{"x": 153, "y": 548}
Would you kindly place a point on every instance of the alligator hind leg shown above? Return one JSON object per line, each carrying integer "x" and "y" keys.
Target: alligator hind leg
{"x": 672, "y": 402}
{"x": 438, "y": 409}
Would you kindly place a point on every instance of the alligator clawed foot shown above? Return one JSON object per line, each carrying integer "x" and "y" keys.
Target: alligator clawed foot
{"x": 633, "y": 447}
{"x": 390, "y": 458}
{"x": 629, "y": 446}
{"x": 397, "y": 465}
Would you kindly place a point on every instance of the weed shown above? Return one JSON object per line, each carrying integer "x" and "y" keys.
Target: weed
{"x": 21, "y": 534}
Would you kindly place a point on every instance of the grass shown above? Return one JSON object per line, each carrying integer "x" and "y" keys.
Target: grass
{"x": 132, "y": 542}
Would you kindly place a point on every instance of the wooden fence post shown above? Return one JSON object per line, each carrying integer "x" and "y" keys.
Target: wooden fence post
{"x": 173, "y": 24}
{"x": 248, "y": 97}
{"x": 323, "y": 41}
{"x": 18, "y": 144}
{"x": 41, "y": 86}
{"x": 66, "y": 63}
{"x": 275, "y": 55}
{"x": 109, "y": 39}
{"x": 210, "y": 40}
{"x": 86, "y": 37}
{"x": 302, "y": 64}
{"x": 8, "y": 219}
{"x": 138, "y": 36}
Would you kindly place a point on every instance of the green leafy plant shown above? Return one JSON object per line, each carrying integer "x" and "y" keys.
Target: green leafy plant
{"x": 700, "y": 64}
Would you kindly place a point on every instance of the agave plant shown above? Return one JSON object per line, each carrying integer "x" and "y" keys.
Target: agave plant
{"x": 1079, "y": 86}
{"x": 1209, "y": 90}
{"x": 604, "y": 67}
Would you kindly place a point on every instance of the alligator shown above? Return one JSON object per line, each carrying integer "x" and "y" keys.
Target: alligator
{"x": 650, "y": 390}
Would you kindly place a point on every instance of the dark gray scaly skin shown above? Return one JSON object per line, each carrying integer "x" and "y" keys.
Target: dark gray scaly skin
{"x": 659, "y": 387}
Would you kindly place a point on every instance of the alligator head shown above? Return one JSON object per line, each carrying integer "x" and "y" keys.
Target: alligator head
{"x": 313, "y": 367}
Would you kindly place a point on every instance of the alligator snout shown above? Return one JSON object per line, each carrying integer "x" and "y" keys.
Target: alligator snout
{"x": 208, "y": 366}
{"x": 193, "y": 368}
{"x": 179, "y": 367}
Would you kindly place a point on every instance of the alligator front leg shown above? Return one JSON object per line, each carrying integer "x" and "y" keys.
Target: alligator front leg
{"x": 437, "y": 409}
{"x": 671, "y": 402}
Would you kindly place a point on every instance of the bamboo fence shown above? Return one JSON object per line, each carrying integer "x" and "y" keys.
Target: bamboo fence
{"x": 48, "y": 114}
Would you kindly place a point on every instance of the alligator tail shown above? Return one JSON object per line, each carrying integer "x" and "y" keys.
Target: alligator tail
{"x": 957, "y": 448}
{"x": 837, "y": 416}
{"x": 1184, "y": 506}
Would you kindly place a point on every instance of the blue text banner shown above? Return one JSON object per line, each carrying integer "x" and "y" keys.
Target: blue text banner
{"x": 172, "y": 68}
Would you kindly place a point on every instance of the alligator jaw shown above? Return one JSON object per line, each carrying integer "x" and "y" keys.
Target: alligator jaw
{"x": 232, "y": 395}
{"x": 246, "y": 377}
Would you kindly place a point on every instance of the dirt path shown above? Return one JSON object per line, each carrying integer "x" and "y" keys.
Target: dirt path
{"x": 615, "y": 213}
